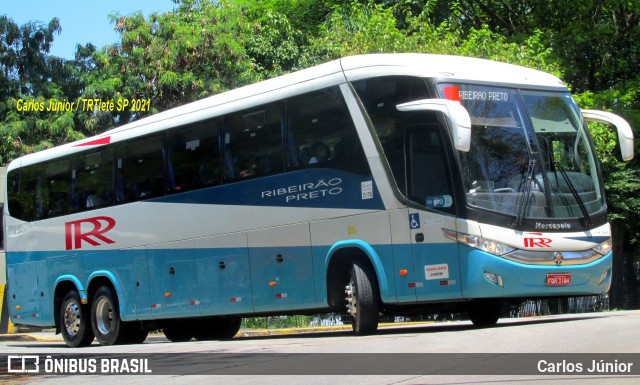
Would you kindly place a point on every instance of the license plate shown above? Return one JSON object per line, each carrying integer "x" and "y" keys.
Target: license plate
{"x": 563, "y": 279}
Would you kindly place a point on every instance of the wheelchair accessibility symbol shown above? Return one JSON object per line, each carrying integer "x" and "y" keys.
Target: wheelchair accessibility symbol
{"x": 414, "y": 221}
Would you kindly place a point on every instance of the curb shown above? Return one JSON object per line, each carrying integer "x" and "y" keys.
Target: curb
{"x": 24, "y": 337}
{"x": 51, "y": 337}
{"x": 291, "y": 331}
{"x": 6, "y": 326}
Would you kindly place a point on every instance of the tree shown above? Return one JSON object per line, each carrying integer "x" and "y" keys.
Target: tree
{"x": 622, "y": 181}
{"x": 172, "y": 59}
{"x": 595, "y": 41}
{"x": 374, "y": 28}
{"x": 29, "y": 74}
{"x": 275, "y": 46}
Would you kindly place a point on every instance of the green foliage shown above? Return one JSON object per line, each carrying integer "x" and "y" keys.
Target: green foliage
{"x": 275, "y": 45}
{"x": 622, "y": 186}
{"x": 278, "y": 322}
{"x": 27, "y": 72}
{"x": 305, "y": 16}
{"x": 174, "y": 58}
{"x": 622, "y": 180}
{"x": 356, "y": 29}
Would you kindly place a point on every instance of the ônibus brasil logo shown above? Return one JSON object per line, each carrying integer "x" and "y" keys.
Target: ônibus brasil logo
{"x": 89, "y": 230}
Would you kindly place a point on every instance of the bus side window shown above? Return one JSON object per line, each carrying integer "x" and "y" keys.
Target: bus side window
{"x": 193, "y": 160}
{"x": 321, "y": 134}
{"x": 380, "y": 96}
{"x": 52, "y": 189}
{"x": 92, "y": 180}
{"x": 15, "y": 203}
{"x": 140, "y": 168}
{"x": 253, "y": 142}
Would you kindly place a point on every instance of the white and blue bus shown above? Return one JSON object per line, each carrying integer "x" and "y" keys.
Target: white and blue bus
{"x": 395, "y": 184}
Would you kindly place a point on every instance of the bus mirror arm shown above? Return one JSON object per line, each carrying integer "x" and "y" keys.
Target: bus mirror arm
{"x": 625, "y": 134}
{"x": 458, "y": 116}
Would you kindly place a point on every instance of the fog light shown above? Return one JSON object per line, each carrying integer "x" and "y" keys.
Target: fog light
{"x": 603, "y": 276}
{"x": 494, "y": 278}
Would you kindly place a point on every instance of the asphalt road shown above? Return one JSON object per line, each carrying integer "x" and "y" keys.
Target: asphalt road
{"x": 554, "y": 349}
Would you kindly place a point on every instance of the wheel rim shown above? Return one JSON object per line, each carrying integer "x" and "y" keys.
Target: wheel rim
{"x": 72, "y": 317}
{"x": 104, "y": 315}
{"x": 352, "y": 300}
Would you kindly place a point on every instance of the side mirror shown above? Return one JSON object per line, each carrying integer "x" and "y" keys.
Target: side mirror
{"x": 454, "y": 111}
{"x": 625, "y": 134}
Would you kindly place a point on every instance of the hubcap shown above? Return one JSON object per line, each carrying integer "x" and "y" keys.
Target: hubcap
{"x": 72, "y": 316}
{"x": 104, "y": 315}
{"x": 350, "y": 291}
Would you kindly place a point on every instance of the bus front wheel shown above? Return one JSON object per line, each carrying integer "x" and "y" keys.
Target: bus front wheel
{"x": 74, "y": 323}
{"x": 362, "y": 299}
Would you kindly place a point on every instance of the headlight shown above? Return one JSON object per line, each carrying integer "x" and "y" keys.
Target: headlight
{"x": 604, "y": 247}
{"x": 480, "y": 243}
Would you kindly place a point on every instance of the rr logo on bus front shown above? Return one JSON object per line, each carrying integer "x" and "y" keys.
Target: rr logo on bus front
{"x": 90, "y": 230}
{"x": 537, "y": 241}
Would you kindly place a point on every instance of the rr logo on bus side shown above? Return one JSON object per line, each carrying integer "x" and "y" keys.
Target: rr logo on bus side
{"x": 97, "y": 227}
{"x": 537, "y": 241}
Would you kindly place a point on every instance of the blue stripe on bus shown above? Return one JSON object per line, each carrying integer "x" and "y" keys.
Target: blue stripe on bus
{"x": 311, "y": 188}
{"x": 168, "y": 283}
{"x": 252, "y": 279}
{"x": 593, "y": 239}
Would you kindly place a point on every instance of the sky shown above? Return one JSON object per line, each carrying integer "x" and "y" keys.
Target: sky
{"x": 82, "y": 21}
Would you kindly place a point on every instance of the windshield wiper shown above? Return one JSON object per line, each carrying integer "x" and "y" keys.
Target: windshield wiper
{"x": 523, "y": 201}
{"x": 574, "y": 192}
{"x": 558, "y": 168}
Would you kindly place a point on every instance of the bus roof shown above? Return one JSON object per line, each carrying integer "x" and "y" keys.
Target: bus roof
{"x": 447, "y": 68}
{"x": 455, "y": 68}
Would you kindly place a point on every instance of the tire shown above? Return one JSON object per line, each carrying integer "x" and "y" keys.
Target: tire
{"x": 205, "y": 330}
{"x": 177, "y": 331}
{"x": 74, "y": 321}
{"x": 229, "y": 327}
{"x": 135, "y": 334}
{"x": 217, "y": 328}
{"x": 362, "y": 299}
{"x": 105, "y": 320}
{"x": 484, "y": 313}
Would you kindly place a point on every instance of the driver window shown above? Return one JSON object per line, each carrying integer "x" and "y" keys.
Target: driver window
{"x": 428, "y": 179}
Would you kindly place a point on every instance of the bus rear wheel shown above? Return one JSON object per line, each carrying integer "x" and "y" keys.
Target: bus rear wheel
{"x": 217, "y": 328}
{"x": 74, "y": 321}
{"x": 106, "y": 323}
{"x": 484, "y": 312}
{"x": 362, "y": 299}
{"x": 135, "y": 334}
{"x": 177, "y": 331}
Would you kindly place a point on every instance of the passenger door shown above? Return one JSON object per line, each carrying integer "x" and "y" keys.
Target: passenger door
{"x": 436, "y": 263}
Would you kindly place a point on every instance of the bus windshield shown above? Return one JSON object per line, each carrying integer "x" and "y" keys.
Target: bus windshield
{"x": 530, "y": 155}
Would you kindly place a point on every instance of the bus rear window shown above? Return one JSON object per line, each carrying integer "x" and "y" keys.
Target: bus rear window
{"x": 21, "y": 184}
